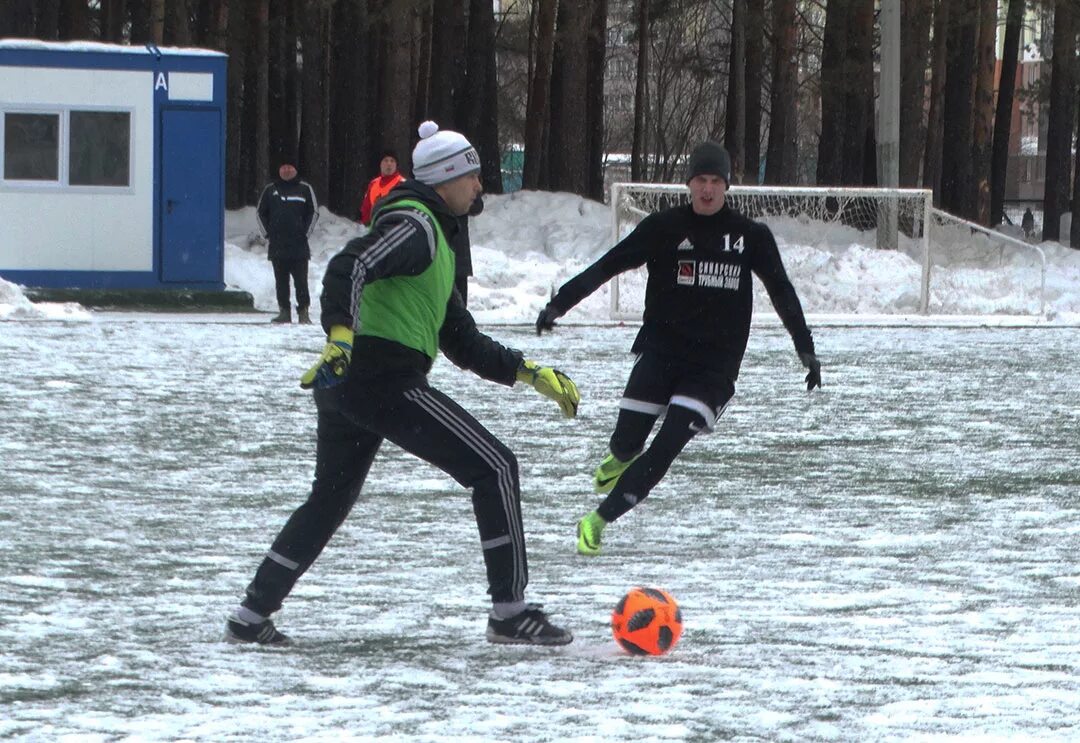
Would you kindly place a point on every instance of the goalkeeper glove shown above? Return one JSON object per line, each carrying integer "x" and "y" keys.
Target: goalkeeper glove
{"x": 813, "y": 378}
{"x": 333, "y": 366}
{"x": 551, "y": 383}
{"x": 546, "y": 319}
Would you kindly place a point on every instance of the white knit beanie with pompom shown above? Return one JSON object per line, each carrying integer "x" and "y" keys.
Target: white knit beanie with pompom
{"x": 441, "y": 156}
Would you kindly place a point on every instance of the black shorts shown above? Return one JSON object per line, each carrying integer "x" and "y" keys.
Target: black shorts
{"x": 658, "y": 381}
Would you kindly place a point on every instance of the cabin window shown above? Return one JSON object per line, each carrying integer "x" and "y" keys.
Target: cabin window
{"x": 99, "y": 148}
{"x": 32, "y": 146}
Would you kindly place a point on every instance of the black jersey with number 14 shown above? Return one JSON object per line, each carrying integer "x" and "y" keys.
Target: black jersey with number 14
{"x": 699, "y": 295}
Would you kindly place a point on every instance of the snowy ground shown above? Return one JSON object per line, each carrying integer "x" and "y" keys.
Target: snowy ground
{"x": 891, "y": 558}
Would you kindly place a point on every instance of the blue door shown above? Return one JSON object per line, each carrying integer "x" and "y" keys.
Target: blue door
{"x": 191, "y": 204}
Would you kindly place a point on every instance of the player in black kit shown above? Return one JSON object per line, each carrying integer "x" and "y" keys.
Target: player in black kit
{"x": 698, "y": 304}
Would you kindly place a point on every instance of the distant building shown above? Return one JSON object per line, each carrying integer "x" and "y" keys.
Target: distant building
{"x": 1025, "y": 178}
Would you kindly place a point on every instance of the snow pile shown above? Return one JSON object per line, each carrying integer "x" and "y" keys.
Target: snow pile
{"x": 526, "y": 244}
{"x": 15, "y": 306}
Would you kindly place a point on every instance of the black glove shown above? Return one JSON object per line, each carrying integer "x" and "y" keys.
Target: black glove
{"x": 813, "y": 378}
{"x": 546, "y": 319}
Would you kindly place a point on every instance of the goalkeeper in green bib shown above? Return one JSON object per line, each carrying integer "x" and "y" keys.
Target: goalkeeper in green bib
{"x": 389, "y": 306}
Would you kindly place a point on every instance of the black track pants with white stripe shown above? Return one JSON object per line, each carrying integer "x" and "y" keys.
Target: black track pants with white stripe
{"x": 353, "y": 421}
{"x": 680, "y": 425}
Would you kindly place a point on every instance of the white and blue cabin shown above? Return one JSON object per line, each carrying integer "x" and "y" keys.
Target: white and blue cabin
{"x": 112, "y": 166}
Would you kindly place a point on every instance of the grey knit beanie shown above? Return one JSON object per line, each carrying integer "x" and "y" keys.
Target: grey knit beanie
{"x": 709, "y": 158}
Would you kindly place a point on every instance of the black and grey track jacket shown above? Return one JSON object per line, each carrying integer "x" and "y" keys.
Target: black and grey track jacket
{"x": 401, "y": 243}
{"x": 287, "y": 213}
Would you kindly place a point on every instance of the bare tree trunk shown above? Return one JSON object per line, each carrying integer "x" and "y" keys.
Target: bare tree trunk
{"x": 1060, "y": 125}
{"x": 957, "y": 127}
{"x": 282, "y": 78}
{"x": 539, "y": 96}
{"x": 447, "y": 61}
{"x": 113, "y": 13}
{"x": 780, "y": 165}
{"x": 830, "y": 160}
{"x": 260, "y": 37}
{"x": 74, "y": 20}
{"x": 396, "y": 126}
{"x": 157, "y": 21}
{"x": 596, "y": 53}
{"x": 999, "y": 161}
{"x": 314, "y": 112}
{"x": 735, "y": 124}
{"x": 935, "y": 117}
{"x": 983, "y": 135}
{"x": 294, "y": 10}
{"x": 349, "y": 107}
{"x": 375, "y": 67}
{"x": 422, "y": 22}
{"x": 858, "y": 71}
{"x": 47, "y": 24}
{"x": 140, "y": 20}
{"x": 481, "y": 122}
{"x": 552, "y": 134}
{"x": 1074, "y": 225}
{"x": 177, "y": 30}
{"x": 914, "y": 47}
{"x": 17, "y": 19}
{"x": 641, "y": 94}
{"x": 568, "y": 155}
{"x": 250, "y": 180}
{"x": 200, "y": 29}
{"x": 234, "y": 92}
{"x": 755, "y": 67}
{"x": 217, "y": 27}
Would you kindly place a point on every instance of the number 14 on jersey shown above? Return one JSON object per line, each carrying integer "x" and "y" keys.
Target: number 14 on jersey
{"x": 737, "y": 247}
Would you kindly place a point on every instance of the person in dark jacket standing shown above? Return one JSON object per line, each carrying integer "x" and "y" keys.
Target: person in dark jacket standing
{"x": 1027, "y": 223}
{"x": 388, "y": 306}
{"x": 287, "y": 214}
{"x": 463, "y": 251}
{"x": 696, "y": 323}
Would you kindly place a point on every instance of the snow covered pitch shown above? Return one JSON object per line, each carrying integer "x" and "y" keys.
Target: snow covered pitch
{"x": 891, "y": 558}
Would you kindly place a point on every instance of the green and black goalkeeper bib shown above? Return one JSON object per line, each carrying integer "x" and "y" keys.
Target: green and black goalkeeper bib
{"x": 410, "y": 310}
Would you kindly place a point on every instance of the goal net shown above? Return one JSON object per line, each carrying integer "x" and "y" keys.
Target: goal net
{"x": 829, "y": 236}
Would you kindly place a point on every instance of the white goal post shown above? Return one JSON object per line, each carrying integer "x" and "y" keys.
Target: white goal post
{"x": 831, "y": 220}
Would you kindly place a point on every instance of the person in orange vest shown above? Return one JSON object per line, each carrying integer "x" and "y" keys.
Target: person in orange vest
{"x": 380, "y": 185}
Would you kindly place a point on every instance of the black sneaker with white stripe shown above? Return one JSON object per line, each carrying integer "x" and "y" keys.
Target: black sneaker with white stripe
{"x": 529, "y": 627}
{"x": 264, "y": 633}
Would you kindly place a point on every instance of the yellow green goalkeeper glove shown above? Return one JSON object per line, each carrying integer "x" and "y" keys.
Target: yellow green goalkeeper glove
{"x": 551, "y": 383}
{"x": 333, "y": 365}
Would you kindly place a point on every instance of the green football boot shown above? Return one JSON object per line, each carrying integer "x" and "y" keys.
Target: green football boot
{"x": 589, "y": 530}
{"x": 609, "y": 472}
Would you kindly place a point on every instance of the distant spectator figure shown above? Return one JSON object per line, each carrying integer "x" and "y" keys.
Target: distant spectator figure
{"x": 463, "y": 250}
{"x": 1028, "y": 223}
{"x": 380, "y": 185}
{"x": 287, "y": 213}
